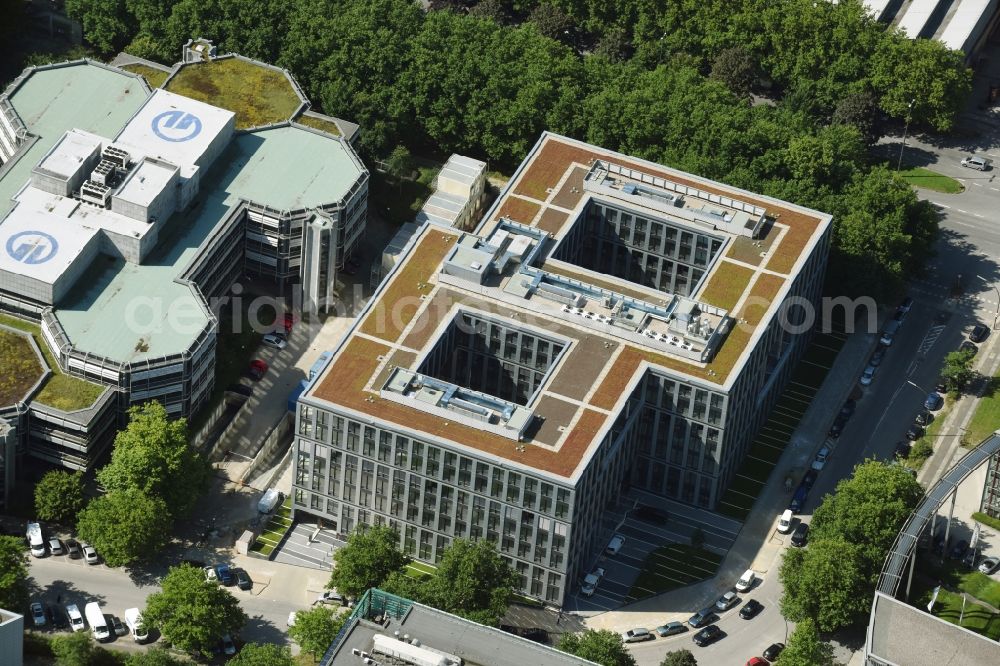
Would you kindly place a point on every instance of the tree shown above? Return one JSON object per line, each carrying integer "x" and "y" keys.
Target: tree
{"x": 957, "y": 371}
{"x": 867, "y": 510}
{"x": 192, "y": 613}
{"x": 473, "y": 581}
{"x": 399, "y": 164}
{"x": 13, "y": 573}
{"x": 861, "y": 111}
{"x": 679, "y": 658}
{"x": 76, "y": 649}
{"x": 366, "y": 560}
{"x": 924, "y": 73}
{"x": 805, "y": 647}
{"x": 827, "y": 582}
{"x": 59, "y": 496}
{"x": 106, "y": 23}
{"x": 736, "y": 68}
{"x": 316, "y": 628}
{"x": 152, "y": 455}
{"x": 497, "y": 11}
{"x": 125, "y": 526}
{"x": 156, "y": 656}
{"x": 604, "y": 647}
{"x": 263, "y": 654}
{"x": 552, "y": 21}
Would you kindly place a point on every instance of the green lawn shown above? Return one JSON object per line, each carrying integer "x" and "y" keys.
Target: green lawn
{"x": 21, "y": 367}
{"x": 419, "y": 570}
{"x": 257, "y": 95}
{"x": 673, "y": 566}
{"x": 154, "y": 77}
{"x": 931, "y": 180}
{"x": 986, "y": 418}
{"x": 976, "y": 618}
{"x": 60, "y": 391}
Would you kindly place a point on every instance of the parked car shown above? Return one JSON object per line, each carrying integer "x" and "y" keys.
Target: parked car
{"x": 847, "y": 411}
{"x": 56, "y": 547}
{"x": 877, "y": 356}
{"x": 73, "y": 549}
{"x": 75, "y": 618}
{"x": 941, "y": 385}
{"x": 979, "y": 333}
{"x": 957, "y": 551}
{"x": 210, "y": 575}
{"x": 905, "y": 306}
{"x": 670, "y": 629}
{"x": 976, "y": 162}
{"x": 837, "y": 427}
{"x": 37, "y": 614}
{"x": 821, "y": 457}
{"x": 799, "y": 499}
{"x": 89, "y": 554}
{"x": 800, "y": 535}
{"x": 615, "y": 545}
{"x": 934, "y": 401}
{"x": 638, "y": 635}
{"x": 727, "y": 601}
{"x": 274, "y": 340}
{"x": 923, "y": 417}
{"x": 591, "y": 581}
{"x": 225, "y": 574}
{"x": 756, "y": 661}
{"x": 902, "y": 450}
{"x": 751, "y": 609}
{"x": 702, "y": 617}
{"x": 707, "y": 636}
{"x": 133, "y": 618}
{"x": 117, "y": 626}
{"x": 868, "y": 375}
{"x": 914, "y": 432}
{"x": 785, "y": 522}
{"x": 243, "y": 579}
{"x": 228, "y": 646}
{"x": 331, "y": 597}
{"x": 773, "y": 651}
{"x": 289, "y": 322}
{"x": 258, "y": 368}
{"x": 989, "y": 565}
{"x": 809, "y": 479}
{"x": 746, "y": 581}
{"x": 968, "y": 346}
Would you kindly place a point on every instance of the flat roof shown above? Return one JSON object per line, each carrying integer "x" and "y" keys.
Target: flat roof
{"x": 440, "y": 632}
{"x": 54, "y": 99}
{"x": 146, "y": 182}
{"x": 174, "y": 128}
{"x": 902, "y": 634}
{"x": 69, "y": 152}
{"x": 265, "y": 167}
{"x": 33, "y": 246}
{"x": 585, "y": 388}
{"x": 462, "y": 169}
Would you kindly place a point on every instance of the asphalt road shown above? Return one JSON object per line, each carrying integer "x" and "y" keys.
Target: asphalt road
{"x": 74, "y": 581}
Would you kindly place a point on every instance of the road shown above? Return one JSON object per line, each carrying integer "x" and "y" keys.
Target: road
{"x": 73, "y": 581}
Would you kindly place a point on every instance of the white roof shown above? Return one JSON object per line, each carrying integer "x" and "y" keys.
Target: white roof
{"x": 916, "y": 17}
{"x": 175, "y": 128}
{"x": 968, "y": 15}
{"x": 462, "y": 169}
{"x": 69, "y": 153}
{"x": 40, "y": 244}
{"x": 146, "y": 181}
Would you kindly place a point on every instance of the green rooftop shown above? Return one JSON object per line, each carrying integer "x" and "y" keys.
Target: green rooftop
{"x": 318, "y": 123}
{"x": 257, "y": 94}
{"x": 20, "y": 367}
{"x": 265, "y": 167}
{"x": 51, "y": 101}
{"x": 154, "y": 77}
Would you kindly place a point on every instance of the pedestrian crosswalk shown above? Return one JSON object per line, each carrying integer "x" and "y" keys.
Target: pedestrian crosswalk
{"x": 929, "y": 339}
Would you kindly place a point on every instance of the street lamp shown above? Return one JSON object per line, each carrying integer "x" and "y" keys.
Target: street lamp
{"x": 996, "y": 289}
{"x": 906, "y": 128}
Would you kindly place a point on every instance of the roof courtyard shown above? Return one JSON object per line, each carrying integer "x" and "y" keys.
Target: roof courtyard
{"x": 741, "y": 288}
{"x": 258, "y": 94}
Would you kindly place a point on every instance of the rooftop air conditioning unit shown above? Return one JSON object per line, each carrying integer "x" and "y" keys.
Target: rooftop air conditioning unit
{"x": 95, "y": 193}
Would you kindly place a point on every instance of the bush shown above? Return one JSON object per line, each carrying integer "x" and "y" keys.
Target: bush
{"x": 990, "y": 521}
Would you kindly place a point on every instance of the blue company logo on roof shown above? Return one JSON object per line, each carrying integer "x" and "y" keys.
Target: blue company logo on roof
{"x": 176, "y": 125}
{"x": 32, "y": 247}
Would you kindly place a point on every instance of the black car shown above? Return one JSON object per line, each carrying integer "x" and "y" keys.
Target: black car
{"x": 73, "y": 549}
{"x": 847, "y": 411}
{"x": 914, "y": 432}
{"x": 809, "y": 479}
{"x": 957, "y": 551}
{"x": 708, "y": 635}
{"x": 941, "y": 385}
{"x": 800, "y": 535}
{"x": 923, "y": 418}
{"x": 651, "y": 514}
{"x": 979, "y": 333}
{"x": 968, "y": 346}
{"x": 751, "y": 609}
{"x": 773, "y": 650}
{"x": 902, "y": 450}
{"x": 243, "y": 580}
{"x": 837, "y": 428}
{"x": 703, "y": 617}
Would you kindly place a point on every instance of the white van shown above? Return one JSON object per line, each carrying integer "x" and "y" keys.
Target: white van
{"x": 785, "y": 522}
{"x": 35, "y": 539}
{"x": 75, "y": 619}
{"x": 95, "y": 618}
{"x": 270, "y": 499}
{"x": 133, "y": 620}
{"x": 746, "y": 581}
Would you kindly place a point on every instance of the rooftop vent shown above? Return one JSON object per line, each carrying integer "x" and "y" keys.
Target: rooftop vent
{"x": 120, "y": 158}
{"x": 100, "y": 174}
{"x": 95, "y": 193}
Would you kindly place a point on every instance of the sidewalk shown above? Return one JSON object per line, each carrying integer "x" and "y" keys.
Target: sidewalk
{"x": 756, "y": 546}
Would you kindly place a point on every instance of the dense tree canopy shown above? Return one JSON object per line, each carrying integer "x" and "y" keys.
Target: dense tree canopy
{"x": 262, "y": 654}
{"x": 125, "y": 526}
{"x": 805, "y": 648}
{"x": 603, "y": 647}
{"x": 13, "y": 573}
{"x": 315, "y": 629}
{"x": 156, "y": 656}
{"x": 679, "y": 658}
{"x": 826, "y": 583}
{"x": 368, "y": 558}
{"x": 59, "y": 496}
{"x": 472, "y": 580}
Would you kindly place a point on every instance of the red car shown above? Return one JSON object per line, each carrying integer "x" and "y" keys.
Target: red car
{"x": 756, "y": 661}
{"x": 289, "y": 322}
{"x": 258, "y": 368}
